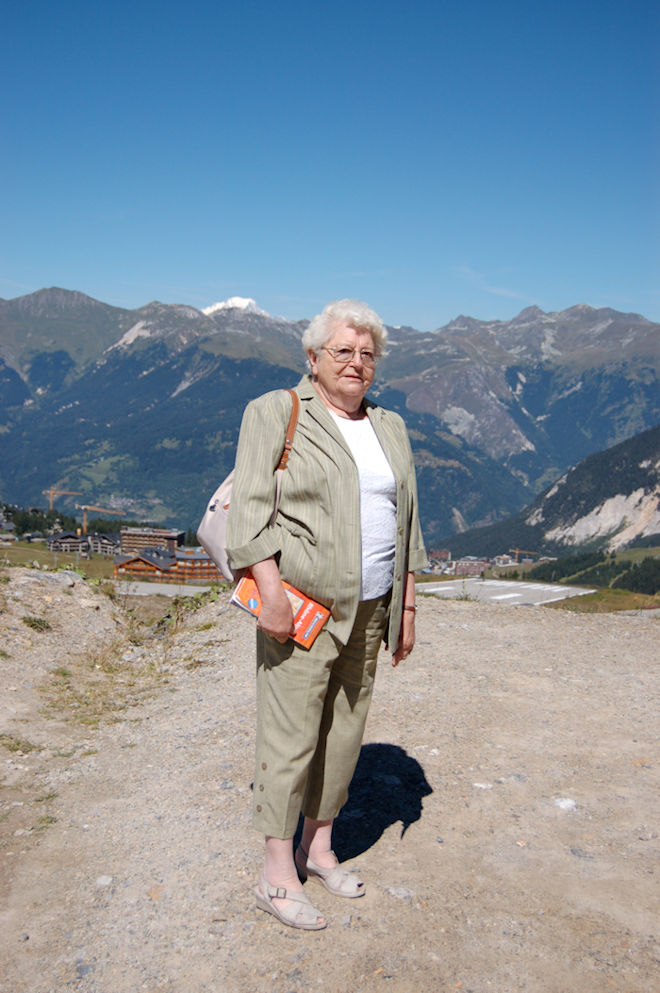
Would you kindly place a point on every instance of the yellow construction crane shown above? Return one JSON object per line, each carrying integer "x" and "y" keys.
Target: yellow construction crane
{"x": 520, "y": 551}
{"x": 87, "y": 506}
{"x": 53, "y": 491}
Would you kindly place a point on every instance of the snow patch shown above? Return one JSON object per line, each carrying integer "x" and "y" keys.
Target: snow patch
{"x": 459, "y": 420}
{"x": 139, "y": 330}
{"x": 548, "y": 348}
{"x": 572, "y": 389}
{"x": 536, "y": 517}
{"x": 459, "y": 521}
{"x": 235, "y": 303}
{"x": 189, "y": 380}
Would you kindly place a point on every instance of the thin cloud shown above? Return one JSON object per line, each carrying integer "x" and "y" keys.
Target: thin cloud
{"x": 479, "y": 280}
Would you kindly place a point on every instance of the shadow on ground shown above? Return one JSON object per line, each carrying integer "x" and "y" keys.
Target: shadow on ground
{"x": 388, "y": 786}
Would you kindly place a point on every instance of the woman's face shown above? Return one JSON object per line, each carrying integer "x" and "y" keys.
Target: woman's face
{"x": 342, "y": 385}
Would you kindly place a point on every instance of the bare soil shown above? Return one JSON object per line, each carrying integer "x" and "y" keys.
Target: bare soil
{"x": 504, "y": 814}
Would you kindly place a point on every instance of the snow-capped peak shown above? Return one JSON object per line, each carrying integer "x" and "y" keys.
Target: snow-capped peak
{"x": 235, "y": 303}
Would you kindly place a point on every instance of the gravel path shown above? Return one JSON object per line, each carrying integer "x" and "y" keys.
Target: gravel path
{"x": 504, "y": 814}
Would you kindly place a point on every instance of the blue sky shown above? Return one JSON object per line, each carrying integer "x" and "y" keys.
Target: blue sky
{"x": 432, "y": 159}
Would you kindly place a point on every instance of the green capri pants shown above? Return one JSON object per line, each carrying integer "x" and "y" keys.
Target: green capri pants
{"x": 312, "y": 707}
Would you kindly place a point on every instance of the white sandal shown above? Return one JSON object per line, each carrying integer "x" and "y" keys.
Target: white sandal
{"x": 300, "y": 914}
{"x": 337, "y": 881}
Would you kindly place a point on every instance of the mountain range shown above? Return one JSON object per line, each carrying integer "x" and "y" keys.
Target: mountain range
{"x": 139, "y": 409}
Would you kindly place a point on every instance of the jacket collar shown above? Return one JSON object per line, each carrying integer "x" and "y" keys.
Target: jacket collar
{"x": 318, "y": 410}
{"x": 307, "y": 391}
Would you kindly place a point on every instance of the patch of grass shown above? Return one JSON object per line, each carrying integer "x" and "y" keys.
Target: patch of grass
{"x": 96, "y": 689}
{"x": 605, "y": 601}
{"x": 183, "y": 605}
{"x": 18, "y": 744}
{"x": 207, "y": 626}
{"x": 24, "y": 553}
{"x": 464, "y": 595}
{"x": 45, "y": 799}
{"x": 195, "y": 664}
{"x": 4, "y": 654}
{"x": 46, "y": 821}
{"x": 36, "y": 623}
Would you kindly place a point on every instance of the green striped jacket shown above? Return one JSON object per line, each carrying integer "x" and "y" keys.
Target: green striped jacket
{"x": 317, "y": 536}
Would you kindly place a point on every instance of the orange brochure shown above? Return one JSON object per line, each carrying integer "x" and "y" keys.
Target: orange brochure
{"x": 308, "y": 615}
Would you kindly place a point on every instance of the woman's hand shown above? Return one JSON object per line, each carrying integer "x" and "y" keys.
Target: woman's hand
{"x": 276, "y": 617}
{"x": 407, "y": 634}
{"x": 406, "y": 637}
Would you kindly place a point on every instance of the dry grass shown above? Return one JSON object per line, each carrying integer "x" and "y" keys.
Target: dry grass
{"x": 36, "y": 623}
{"x": 18, "y": 745}
{"x": 98, "y": 688}
{"x": 36, "y": 555}
{"x": 605, "y": 601}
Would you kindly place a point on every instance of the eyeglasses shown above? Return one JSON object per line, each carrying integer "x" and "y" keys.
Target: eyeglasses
{"x": 343, "y": 355}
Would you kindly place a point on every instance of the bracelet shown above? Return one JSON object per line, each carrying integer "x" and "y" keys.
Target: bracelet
{"x": 409, "y": 608}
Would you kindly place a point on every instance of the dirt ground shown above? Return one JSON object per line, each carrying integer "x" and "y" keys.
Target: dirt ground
{"x": 504, "y": 814}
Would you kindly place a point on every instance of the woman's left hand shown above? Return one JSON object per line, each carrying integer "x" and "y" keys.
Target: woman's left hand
{"x": 407, "y": 633}
{"x": 406, "y": 638}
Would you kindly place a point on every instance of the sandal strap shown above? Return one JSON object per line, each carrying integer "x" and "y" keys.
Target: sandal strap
{"x": 336, "y": 880}
{"x": 281, "y": 893}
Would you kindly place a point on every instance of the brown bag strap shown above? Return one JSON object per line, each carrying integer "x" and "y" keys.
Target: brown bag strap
{"x": 288, "y": 442}
{"x": 291, "y": 429}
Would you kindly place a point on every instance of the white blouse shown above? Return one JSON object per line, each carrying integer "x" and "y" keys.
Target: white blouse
{"x": 377, "y": 505}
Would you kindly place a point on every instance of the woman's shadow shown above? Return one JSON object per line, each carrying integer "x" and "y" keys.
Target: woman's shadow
{"x": 387, "y": 786}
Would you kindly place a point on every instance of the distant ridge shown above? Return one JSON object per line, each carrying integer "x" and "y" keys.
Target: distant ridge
{"x": 144, "y": 405}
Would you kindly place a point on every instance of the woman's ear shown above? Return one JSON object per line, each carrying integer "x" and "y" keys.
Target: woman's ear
{"x": 313, "y": 361}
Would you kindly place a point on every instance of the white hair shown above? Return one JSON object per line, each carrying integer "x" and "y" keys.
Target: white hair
{"x": 353, "y": 314}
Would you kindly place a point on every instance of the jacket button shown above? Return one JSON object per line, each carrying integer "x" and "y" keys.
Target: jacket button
{"x": 261, "y": 788}
{"x": 264, "y": 765}
{"x": 258, "y": 808}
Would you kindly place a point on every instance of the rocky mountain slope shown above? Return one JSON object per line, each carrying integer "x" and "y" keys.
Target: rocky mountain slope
{"x": 140, "y": 409}
{"x": 607, "y": 502}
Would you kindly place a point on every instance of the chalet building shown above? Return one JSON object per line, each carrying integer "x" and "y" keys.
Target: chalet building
{"x": 103, "y": 544}
{"x": 65, "y": 541}
{"x": 186, "y": 565}
{"x": 100, "y": 544}
{"x": 139, "y": 539}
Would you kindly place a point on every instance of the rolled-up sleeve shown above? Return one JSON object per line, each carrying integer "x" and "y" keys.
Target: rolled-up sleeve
{"x": 250, "y": 539}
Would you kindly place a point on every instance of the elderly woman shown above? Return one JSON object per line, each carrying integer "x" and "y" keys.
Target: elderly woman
{"x": 347, "y": 534}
